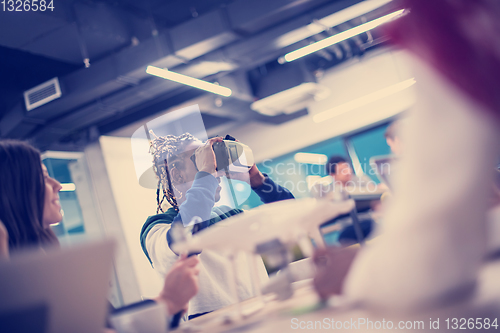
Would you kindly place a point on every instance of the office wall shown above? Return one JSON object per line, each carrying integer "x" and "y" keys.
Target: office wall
{"x": 347, "y": 82}
{"x": 134, "y": 204}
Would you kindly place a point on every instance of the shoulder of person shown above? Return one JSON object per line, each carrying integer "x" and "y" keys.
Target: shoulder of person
{"x": 166, "y": 217}
{"x": 162, "y": 218}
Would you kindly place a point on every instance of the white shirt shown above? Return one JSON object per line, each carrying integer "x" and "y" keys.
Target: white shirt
{"x": 215, "y": 272}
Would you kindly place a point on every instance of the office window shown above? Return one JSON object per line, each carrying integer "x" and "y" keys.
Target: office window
{"x": 72, "y": 223}
{"x": 295, "y": 176}
{"x": 368, "y": 144}
{"x": 81, "y": 219}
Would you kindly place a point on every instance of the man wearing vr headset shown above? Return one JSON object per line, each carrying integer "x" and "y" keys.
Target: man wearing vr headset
{"x": 190, "y": 181}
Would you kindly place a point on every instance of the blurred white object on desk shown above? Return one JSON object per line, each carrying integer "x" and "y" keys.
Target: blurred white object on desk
{"x": 150, "y": 318}
{"x": 287, "y": 220}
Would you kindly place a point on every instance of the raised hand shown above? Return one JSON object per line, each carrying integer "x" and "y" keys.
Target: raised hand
{"x": 332, "y": 265}
{"x": 181, "y": 284}
{"x": 205, "y": 156}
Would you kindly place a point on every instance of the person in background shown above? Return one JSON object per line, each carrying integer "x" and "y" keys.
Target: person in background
{"x": 192, "y": 191}
{"x": 340, "y": 170}
{"x": 342, "y": 182}
{"x": 389, "y": 166}
{"x": 342, "y": 179}
{"x": 29, "y": 204}
{"x": 393, "y": 138}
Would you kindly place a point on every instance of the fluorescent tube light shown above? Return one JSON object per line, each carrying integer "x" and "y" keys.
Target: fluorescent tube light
{"x": 68, "y": 187}
{"x": 313, "y": 180}
{"x": 329, "y": 21}
{"x": 365, "y": 100}
{"x": 290, "y": 100}
{"x": 306, "y": 50}
{"x": 311, "y": 158}
{"x": 189, "y": 81}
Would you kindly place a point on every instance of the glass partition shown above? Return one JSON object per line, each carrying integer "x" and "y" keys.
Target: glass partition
{"x": 81, "y": 220}
{"x": 367, "y": 144}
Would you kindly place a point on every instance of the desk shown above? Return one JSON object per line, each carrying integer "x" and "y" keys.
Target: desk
{"x": 261, "y": 313}
{"x": 276, "y": 317}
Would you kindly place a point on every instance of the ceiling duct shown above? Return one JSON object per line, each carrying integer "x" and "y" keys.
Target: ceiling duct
{"x": 284, "y": 89}
{"x": 123, "y": 89}
{"x": 42, "y": 94}
{"x": 291, "y": 100}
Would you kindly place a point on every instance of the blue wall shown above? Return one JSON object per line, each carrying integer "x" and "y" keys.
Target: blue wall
{"x": 370, "y": 143}
{"x": 286, "y": 172}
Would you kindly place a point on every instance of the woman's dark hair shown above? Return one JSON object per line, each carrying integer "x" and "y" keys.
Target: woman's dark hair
{"x": 22, "y": 196}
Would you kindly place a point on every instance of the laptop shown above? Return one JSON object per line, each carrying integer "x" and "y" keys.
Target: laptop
{"x": 56, "y": 291}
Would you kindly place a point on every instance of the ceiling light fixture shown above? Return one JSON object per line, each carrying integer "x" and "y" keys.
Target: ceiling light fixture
{"x": 67, "y": 187}
{"x": 365, "y": 100}
{"x": 329, "y": 21}
{"x": 290, "y": 100}
{"x": 189, "y": 81}
{"x": 306, "y": 50}
{"x": 311, "y": 158}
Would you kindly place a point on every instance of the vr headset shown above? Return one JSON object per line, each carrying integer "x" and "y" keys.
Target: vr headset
{"x": 231, "y": 156}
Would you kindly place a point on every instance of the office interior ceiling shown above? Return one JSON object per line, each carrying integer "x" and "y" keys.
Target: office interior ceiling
{"x": 234, "y": 42}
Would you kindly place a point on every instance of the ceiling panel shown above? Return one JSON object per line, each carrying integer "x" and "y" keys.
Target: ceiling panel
{"x": 178, "y": 11}
{"x": 256, "y": 15}
{"x": 21, "y": 28}
{"x": 103, "y": 28}
{"x": 61, "y": 44}
{"x": 179, "y": 34}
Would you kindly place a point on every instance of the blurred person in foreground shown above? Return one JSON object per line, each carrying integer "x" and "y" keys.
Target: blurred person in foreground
{"x": 29, "y": 204}
{"x": 432, "y": 245}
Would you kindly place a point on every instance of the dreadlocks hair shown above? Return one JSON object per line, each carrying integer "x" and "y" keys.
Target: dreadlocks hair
{"x": 165, "y": 151}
